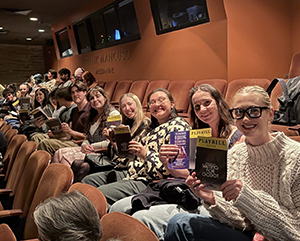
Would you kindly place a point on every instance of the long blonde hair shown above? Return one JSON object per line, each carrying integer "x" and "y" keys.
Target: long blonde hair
{"x": 138, "y": 118}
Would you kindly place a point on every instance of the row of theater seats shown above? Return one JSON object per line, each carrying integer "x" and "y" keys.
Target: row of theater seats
{"x": 180, "y": 92}
{"x": 29, "y": 180}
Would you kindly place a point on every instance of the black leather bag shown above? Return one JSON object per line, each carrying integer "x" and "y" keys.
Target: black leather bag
{"x": 100, "y": 162}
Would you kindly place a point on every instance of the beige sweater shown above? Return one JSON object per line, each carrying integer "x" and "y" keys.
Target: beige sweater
{"x": 269, "y": 201}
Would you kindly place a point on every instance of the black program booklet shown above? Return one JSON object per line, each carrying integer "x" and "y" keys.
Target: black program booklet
{"x": 123, "y": 137}
{"x": 211, "y": 163}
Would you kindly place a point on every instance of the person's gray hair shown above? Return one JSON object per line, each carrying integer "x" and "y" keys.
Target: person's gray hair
{"x": 69, "y": 217}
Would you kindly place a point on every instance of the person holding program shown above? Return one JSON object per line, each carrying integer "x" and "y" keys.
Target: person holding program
{"x": 95, "y": 123}
{"x": 208, "y": 109}
{"x": 146, "y": 167}
{"x": 133, "y": 116}
{"x": 262, "y": 191}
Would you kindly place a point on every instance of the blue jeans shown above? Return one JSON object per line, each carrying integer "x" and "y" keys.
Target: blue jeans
{"x": 196, "y": 227}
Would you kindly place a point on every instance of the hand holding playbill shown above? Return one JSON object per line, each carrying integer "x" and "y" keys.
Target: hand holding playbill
{"x": 199, "y": 189}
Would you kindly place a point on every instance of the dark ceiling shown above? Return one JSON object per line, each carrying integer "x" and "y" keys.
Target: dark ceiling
{"x": 18, "y": 25}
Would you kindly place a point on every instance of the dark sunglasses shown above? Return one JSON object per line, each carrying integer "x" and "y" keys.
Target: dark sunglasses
{"x": 252, "y": 112}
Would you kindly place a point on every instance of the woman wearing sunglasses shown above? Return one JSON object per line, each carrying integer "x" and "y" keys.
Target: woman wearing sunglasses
{"x": 262, "y": 191}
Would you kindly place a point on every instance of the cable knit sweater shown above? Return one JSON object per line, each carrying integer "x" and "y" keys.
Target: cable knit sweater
{"x": 269, "y": 201}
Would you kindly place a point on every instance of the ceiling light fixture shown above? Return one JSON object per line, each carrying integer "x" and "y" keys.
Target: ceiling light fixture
{"x": 28, "y": 39}
{"x": 41, "y": 30}
{"x": 1, "y": 27}
{"x": 33, "y": 19}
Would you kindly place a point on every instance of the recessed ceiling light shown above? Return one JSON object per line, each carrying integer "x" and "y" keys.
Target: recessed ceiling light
{"x": 1, "y": 27}
{"x": 28, "y": 39}
{"x": 33, "y": 19}
{"x": 41, "y": 30}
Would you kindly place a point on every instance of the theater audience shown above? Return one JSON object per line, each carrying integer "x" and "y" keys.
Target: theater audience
{"x": 262, "y": 190}
{"x": 208, "y": 109}
{"x": 68, "y": 217}
{"x": 146, "y": 167}
{"x": 75, "y": 128}
{"x": 95, "y": 122}
{"x": 133, "y": 116}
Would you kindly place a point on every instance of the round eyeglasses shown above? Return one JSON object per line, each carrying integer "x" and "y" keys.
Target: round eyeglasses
{"x": 252, "y": 112}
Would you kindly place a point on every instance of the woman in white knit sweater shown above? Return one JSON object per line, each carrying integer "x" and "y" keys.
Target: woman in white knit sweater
{"x": 262, "y": 191}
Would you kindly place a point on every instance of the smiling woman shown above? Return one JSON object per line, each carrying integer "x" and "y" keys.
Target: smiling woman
{"x": 262, "y": 181}
{"x": 95, "y": 123}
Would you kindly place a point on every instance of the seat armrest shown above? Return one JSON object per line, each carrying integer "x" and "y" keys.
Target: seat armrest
{"x": 5, "y": 191}
{"x": 10, "y": 213}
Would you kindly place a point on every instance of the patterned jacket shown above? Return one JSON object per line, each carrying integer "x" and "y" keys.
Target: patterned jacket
{"x": 151, "y": 168}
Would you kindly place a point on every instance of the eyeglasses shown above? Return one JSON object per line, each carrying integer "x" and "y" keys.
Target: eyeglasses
{"x": 159, "y": 101}
{"x": 252, "y": 112}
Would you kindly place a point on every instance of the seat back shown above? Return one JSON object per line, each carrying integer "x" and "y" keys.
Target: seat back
{"x": 2, "y": 123}
{"x": 139, "y": 88}
{"x": 110, "y": 88}
{"x": 6, "y": 128}
{"x": 94, "y": 195}
{"x": 56, "y": 179}
{"x": 101, "y": 84}
{"x": 295, "y": 66}
{"x": 219, "y": 84}
{"x": 6, "y": 234}
{"x": 37, "y": 163}
{"x": 122, "y": 87}
{"x": 11, "y": 153}
{"x": 26, "y": 149}
{"x": 237, "y": 84}
{"x": 152, "y": 86}
{"x": 121, "y": 225}
{"x": 9, "y": 135}
{"x": 180, "y": 90}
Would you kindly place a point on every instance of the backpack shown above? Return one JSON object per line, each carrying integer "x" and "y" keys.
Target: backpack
{"x": 289, "y": 101}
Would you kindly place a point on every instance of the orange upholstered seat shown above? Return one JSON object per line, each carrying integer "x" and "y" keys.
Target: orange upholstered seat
{"x": 6, "y": 234}
{"x": 9, "y": 135}
{"x": 139, "y": 88}
{"x": 110, "y": 88}
{"x": 219, "y": 84}
{"x": 237, "y": 84}
{"x": 125, "y": 227}
{"x": 180, "y": 90}
{"x": 11, "y": 153}
{"x": 94, "y": 195}
{"x": 56, "y": 179}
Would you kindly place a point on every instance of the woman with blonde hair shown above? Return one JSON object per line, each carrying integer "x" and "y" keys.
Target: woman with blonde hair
{"x": 133, "y": 116}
